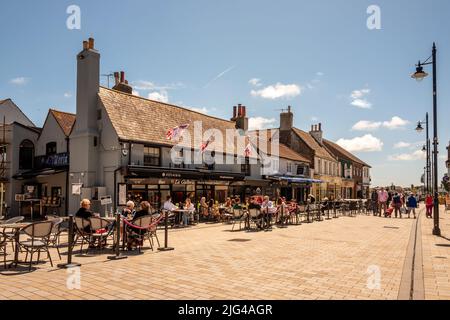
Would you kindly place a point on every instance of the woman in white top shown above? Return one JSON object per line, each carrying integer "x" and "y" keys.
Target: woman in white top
{"x": 187, "y": 215}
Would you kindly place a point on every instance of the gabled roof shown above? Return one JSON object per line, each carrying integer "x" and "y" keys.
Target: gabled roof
{"x": 319, "y": 150}
{"x": 288, "y": 153}
{"x": 20, "y": 111}
{"x": 65, "y": 120}
{"x": 142, "y": 120}
{"x": 342, "y": 153}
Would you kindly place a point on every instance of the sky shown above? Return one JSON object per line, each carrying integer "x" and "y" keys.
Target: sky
{"x": 320, "y": 57}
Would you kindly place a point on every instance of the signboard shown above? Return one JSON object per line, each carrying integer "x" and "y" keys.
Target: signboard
{"x": 19, "y": 197}
{"x": 105, "y": 200}
{"x": 76, "y": 189}
{"x": 122, "y": 198}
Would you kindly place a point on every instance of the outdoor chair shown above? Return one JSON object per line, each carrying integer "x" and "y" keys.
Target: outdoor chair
{"x": 3, "y": 242}
{"x": 39, "y": 236}
{"x": 138, "y": 230}
{"x": 55, "y": 235}
{"x": 301, "y": 213}
{"x": 227, "y": 215}
{"x": 256, "y": 218}
{"x": 10, "y": 235}
{"x": 152, "y": 231}
{"x": 101, "y": 229}
{"x": 82, "y": 232}
{"x": 240, "y": 216}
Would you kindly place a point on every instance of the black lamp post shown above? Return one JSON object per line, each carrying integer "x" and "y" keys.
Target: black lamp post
{"x": 419, "y": 75}
{"x": 426, "y": 149}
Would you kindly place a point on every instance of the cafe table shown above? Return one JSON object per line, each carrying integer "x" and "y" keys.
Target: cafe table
{"x": 179, "y": 212}
{"x": 16, "y": 227}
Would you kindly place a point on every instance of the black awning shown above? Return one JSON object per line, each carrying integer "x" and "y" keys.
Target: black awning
{"x": 36, "y": 173}
{"x": 223, "y": 176}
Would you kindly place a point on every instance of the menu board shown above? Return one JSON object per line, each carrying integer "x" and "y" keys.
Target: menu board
{"x": 122, "y": 199}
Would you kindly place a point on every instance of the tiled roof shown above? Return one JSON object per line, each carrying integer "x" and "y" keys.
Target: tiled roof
{"x": 319, "y": 150}
{"x": 341, "y": 152}
{"x": 288, "y": 153}
{"x": 284, "y": 151}
{"x": 147, "y": 121}
{"x": 65, "y": 120}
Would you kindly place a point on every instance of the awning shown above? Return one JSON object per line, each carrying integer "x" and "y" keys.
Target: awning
{"x": 295, "y": 179}
{"x": 38, "y": 173}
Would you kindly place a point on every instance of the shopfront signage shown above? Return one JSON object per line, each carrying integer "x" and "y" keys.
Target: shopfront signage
{"x": 105, "y": 200}
{"x": 52, "y": 161}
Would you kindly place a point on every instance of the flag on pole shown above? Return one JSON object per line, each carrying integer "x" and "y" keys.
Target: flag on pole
{"x": 174, "y": 133}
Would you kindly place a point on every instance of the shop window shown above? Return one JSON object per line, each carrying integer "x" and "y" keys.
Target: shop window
{"x": 26, "y": 155}
{"x": 289, "y": 167}
{"x": 300, "y": 170}
{"x": 50, "y": 148}
{"x": 152, "y": 156}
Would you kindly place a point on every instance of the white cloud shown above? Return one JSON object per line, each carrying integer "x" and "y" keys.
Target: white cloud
{"x": 367, "y": 143}
{"x": 161, "y": 96}
{"x": 255, "y": 82}
{"x": 395, "y": 123}
{"x": 402, "y": 145}
{"x": 364, "y": 125}
{"x": 201, "y": 110}
{"x": 148, "y": 85}
{"x": 277, "y": 91}
{"x": 259, "y": 123}
{"x": 416, "y": 155}
{"x": 67, "y": 95}
{"x": 20, "y": 81}
{"x": 359, "y": 100}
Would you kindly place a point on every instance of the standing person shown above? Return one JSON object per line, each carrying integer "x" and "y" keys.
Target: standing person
{"x": 266, "y": 210}
{"x": 411, "y": 204}
{"x": 382, "y": 200}
{"x": 374, "y": 200}
{"x": 204, "y": 207}
{"x": 429, "y": 203}
{"x": 396, "y": 199}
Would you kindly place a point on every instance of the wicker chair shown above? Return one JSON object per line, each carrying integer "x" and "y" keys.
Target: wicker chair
{"x": 56, "y": 234}
{"x": 138, "y": 229}
{"x": 101, "y": 229}
{"x": 39, "y": 234}
{"x": 3, "y": 243}
{"x": 10, "y": 235}
{"x": 239, "y": 215}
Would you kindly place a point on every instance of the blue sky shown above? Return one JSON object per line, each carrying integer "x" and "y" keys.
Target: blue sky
{"x": 317, "y": 56}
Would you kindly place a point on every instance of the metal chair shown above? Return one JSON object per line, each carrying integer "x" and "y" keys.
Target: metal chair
{"x": 82, "y": 232}
{"x": 255, "y": 217}
{"x": 3, "y": 242}
{"x": 39, "y": 233}
{"x": 239, "y": 215}
{"x": 138, "y": 229}
{"x": 10, "y": 235}
{"x": 100, "y": 230}
{"x": 55, "y": 235}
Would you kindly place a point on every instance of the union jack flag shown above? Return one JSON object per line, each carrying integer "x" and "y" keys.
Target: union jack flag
{"x": 248, "y": 150}
{"x": 206, "y": 144}
{"x": 174, "y": 133}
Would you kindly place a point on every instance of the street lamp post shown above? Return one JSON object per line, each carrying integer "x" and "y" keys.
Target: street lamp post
{"x": 420, "y": 75}
{"x": 427, "y": 149}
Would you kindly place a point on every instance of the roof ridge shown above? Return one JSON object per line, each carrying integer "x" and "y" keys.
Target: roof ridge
{"x": 70, "y": 113}
{"x": 165, "y": 103}
{"x": 334, "y": 144}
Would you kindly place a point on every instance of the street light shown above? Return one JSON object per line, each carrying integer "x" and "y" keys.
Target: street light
{"x": 419, "y": 75}
{"x": 426, "y": 148}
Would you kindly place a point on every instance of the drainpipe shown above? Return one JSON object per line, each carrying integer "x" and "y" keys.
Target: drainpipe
{"x": 115, "y": 187}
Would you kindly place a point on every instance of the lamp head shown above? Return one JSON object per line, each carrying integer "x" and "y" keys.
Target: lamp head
{"x": 419, "y": 127}
{"x": 419, "y": 75}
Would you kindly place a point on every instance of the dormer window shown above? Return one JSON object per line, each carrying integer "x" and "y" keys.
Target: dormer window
{"x": 50, "y": 148}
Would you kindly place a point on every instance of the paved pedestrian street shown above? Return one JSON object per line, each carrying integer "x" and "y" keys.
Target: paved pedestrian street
{"x": 359, "y": 257}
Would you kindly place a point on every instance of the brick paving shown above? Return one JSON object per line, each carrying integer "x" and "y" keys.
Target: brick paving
{"x": 322, "y": 260}
{"x": 436, "y": 258}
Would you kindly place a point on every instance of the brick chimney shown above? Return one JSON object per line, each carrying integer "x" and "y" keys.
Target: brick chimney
{"x": 286, "y": 120}
{"x": 316, "y": 132}
{"x": 121, "y": 84}
{"x": 240, "y": 117}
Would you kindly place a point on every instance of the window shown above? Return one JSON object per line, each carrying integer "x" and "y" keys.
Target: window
{"x": 179, "y": 163}
{"x": 26, "y": 155}
{"x": 300, "y": 170}
{"x": 50, "y": 148}
{"x": 152, "y": 156}
{"x": 289, "y": 167}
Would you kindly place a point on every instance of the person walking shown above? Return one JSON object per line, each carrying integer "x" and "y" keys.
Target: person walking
{"x": 382, "y": 200}
{"x": 429, "y": 205}
{"x": 411, "y": 204}
{"x": 374, "y": 202}
{"x": 397, "y": 200}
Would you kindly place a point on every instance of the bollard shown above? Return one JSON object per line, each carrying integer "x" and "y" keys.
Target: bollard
{"x": 117, "y": 255}
{"x": 166, "y": 234}
{"x": 69, "y": 263}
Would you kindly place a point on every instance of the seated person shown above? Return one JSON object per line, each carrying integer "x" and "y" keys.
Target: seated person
{"x": 145, "y": 210}
{"x": 204, "y": 208}
{"x": 188, "y": 215}
{"x": 134, "y": 235}
{"x": 237, "y": 203}
{"x": 85, "y": 210}
{"x": 254, "y": 204}
{"x": 128, "y": 210}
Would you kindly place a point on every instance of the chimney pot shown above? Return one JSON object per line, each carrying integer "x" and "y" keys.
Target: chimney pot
{"x": 234, "y": 112}
{"x": 85, "y": 45}
{"x": 122, "y": 76}
{"x": 244, "y": 111}
{"x": 91, "y": 43}
{"x": 320, "y": 127}
{"x": 116, "y": 78}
